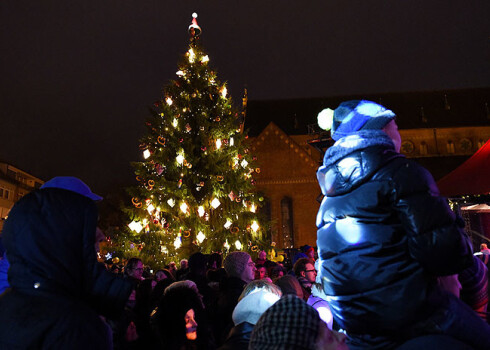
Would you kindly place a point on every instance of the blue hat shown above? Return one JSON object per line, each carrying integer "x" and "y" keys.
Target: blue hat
{"x": 73, "y": 184}
{"x": 355, "y": 115}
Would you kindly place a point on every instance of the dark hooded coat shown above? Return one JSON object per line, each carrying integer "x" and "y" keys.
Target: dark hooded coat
{"x": 384, "y": 234}
{"x": 58, "y": 289}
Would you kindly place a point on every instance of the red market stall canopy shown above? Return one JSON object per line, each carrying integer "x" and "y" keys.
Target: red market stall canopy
{"x": 470, "y": 178}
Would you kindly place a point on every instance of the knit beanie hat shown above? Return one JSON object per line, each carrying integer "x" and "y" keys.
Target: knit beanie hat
{"x": 355, "y": 115}
{"x": 288, "y": 324}
{"x": 235, "y": 263}
{"x": 251, "y": 307}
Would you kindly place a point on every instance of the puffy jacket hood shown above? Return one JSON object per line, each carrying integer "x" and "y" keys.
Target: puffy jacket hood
{"x": 49, "y": 237}
{"x": 353, "y": 159}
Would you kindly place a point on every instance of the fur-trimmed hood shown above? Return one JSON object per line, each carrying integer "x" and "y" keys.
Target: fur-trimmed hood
{"x": 353, "y": 159}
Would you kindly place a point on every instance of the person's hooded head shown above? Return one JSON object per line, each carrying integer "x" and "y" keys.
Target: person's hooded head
{"x": 50, "y": 241}
{"x": 257, "y": 296}
{"x": 292, "y": 324}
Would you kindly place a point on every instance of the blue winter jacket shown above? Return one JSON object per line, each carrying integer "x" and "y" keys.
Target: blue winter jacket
{"x": 384, "y": 235}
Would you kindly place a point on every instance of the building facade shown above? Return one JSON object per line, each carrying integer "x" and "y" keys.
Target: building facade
{"x": 14, "y": 184}
{"x": 440, "y": 137}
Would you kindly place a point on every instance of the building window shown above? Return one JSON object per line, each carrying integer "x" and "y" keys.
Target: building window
{"x": 450, "y": 147}
{"x": 4, "y": 193}
{"x": 287, "y": 222}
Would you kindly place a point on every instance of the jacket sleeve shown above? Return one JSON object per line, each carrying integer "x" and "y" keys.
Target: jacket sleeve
{"x": 436, "y": 236}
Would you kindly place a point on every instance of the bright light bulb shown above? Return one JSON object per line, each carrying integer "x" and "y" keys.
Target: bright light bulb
{"x": 175, "y": 123}
{"x": 135, "y": 226}
{"x": 146, "y": 154}
{"x": 325, "y": 119}
{"x": 215, "y": 203}
{"x": 171, "y": 202}
{"x": 226, "y": 245}
{"x": 232, "y": 141}
{"x": 205, "y": 59}
{"x": 180, "y": 73}
{"x": 150, "y": 208}
{"x": 180, "y": 159}
{"x": 183, "y": 207}
{"x": 192, "y": 55}
{"x": 227, "y": 224}
{"x": 218, "y": 143}
{"x": 200, "y": 237}
{"x": 244, "y": 163}
{"x": 238, "y": 245}
{"x": 253, "y": 208}
{"x": 224, "y": 91}
{"x": 200, "y": 211}
{"x": 169, "y": 101}
{"x": 255, "y": 226}
{"x": 177, "y": 242}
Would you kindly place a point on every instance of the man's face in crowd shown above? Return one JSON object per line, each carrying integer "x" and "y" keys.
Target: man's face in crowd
{"x": 261, "y": 273}
{"x": 248, "y": 275}
{"x": 137, "y": 271}
{"x": 309, "y": 273}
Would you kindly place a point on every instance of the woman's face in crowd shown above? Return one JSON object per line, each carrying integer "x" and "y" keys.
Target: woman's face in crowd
{"x": 190, "y": 325}
{"x": 330, "y": 340}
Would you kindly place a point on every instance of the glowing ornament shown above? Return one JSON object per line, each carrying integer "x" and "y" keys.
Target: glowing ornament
{"x": 188, "y": 127}
{"x": 232, "y": 141}
{"x": 226, "y": 245}
{"x": 135, "y": 226}
{"x": 175, "y": 123}
{"x": 232, "y": 196}
{"x": 254, "y": 226}
{"x": 161, "y": 140}
{"x": 163, "y": 249}
{"x": 184, "y": 207}
{"x": 224, "y": 91}
{"x": 177, "y": 242}
{"x": 200, "y": 237}
{"x": 253, "y": 208}
{"x": 325, "y": 119}
{"x": 215, "y": 203}
{"x": 238, "y": 245}
{"x": 244, "y": 163}
{"x": 218, "y": 143}
{"x": 200, "y": 211}
{"x": 146, "y": 154}
{"x": 227, "y": 224}
{"x": 192, "y": 55}
{"x": 205, "y": 59}
{"x": 180, "y": 73}
{"x": 150, "y": 208}
{"x": 180, "y": 159}
{"x": 169, "y": 101}
{"x": 171, "y": 202}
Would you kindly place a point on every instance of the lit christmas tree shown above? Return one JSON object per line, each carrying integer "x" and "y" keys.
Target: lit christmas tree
{"x": 195, "y": 188}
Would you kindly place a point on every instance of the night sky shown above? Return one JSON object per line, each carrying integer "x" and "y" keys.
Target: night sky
{"x": 77, "y": 76}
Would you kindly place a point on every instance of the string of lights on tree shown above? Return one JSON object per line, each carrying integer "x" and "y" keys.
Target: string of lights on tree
{"x": 196, "y": 179}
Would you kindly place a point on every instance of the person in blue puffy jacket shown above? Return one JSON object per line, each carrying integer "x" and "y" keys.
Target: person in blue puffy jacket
{"x": 385, "y": 235}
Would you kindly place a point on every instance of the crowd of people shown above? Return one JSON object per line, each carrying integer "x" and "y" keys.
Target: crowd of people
{"x": 393, "y": 269}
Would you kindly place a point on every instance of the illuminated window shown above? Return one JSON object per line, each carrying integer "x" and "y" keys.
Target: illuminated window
{"x": 450, "y": 147}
